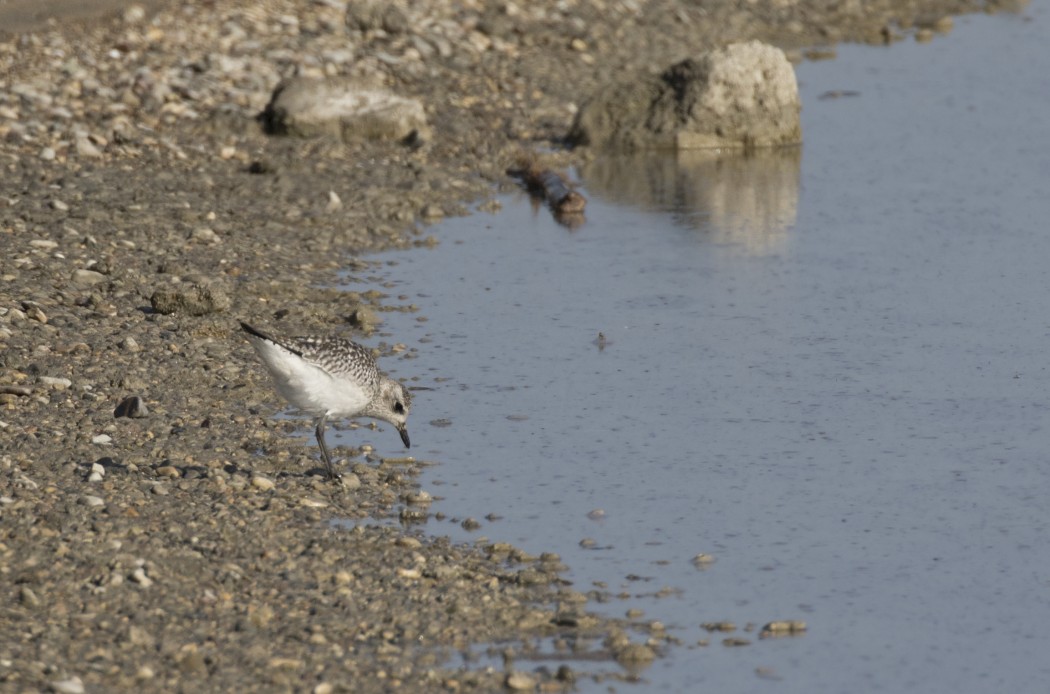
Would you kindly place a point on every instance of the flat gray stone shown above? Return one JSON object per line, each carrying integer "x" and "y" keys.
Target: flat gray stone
{"x": 344, "y": 109}
{"x": 87, "y": 278}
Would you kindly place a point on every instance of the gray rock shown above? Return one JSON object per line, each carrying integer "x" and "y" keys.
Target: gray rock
{"x": 87, "y": 278}
{"x": 372, "y": 15}
{"x": 263, "y": 483}
{"x": 133, "y": 407}
{"x": 56, "y": 382}
{"x": 73, "y": 685}
{"x": 744, "y": 95}
{"x": 635, "y": 653}
{"x": 349, "y": 110}
{"x": 34, "y": 312}
{"x": 520, "y": 681}
{"x": 205, "y": 235}
{"x": 28, "y": 597}
{"x": 85, "y": 147}
{"x": 364, "y": 318}
{"x": 198, "y": 300}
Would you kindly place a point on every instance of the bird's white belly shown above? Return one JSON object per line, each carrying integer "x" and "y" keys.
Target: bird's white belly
{"x": 311, "y": 388}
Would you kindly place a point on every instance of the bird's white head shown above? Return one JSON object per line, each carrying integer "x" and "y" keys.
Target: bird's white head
{"x": 393, "y": 405}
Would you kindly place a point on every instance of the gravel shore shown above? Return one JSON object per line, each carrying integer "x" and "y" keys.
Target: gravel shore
{"x": 143, "y": 211}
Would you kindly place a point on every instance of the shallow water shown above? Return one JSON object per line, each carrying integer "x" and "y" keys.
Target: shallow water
{"x": 826, "y": 368}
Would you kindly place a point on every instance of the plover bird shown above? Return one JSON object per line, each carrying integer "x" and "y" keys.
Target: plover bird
{"x": 331, "y": 377}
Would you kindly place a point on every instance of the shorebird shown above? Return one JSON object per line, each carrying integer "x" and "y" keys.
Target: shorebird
{"x": 331, "y": 377}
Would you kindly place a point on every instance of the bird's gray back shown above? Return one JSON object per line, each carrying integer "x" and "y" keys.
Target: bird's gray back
{"x": 340, "y": 357}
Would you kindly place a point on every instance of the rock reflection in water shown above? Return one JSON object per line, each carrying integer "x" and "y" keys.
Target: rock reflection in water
{"x": 747, "y": 199}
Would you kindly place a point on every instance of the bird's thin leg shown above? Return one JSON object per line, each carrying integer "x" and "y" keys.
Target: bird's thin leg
{"x": 324, "y": 448}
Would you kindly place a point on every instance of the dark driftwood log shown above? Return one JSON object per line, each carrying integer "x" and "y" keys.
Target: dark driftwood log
{"x": 566, "y": 204}
{"x": 561, "y": 198}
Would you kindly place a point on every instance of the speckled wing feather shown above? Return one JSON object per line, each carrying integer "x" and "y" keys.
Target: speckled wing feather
{"x": 339, "y": 357}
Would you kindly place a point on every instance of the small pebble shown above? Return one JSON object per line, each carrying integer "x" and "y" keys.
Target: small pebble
{"x": 635, "y": 653}
{"x": 71, "y": 686}
{"x": 520, "y": 681}
{"x": 703, "y": 561}
{"x": 28, "y": 597}
{"x": 85, "y": 147}
{"x": 139, "y": 576}
{"x": 36, "y": 313}
{"x": 419, "y": 497}
{"x": 206, "y": 235}
{"x": 783, "y": 628}
{"x": 56, "y": 383}
{"x": 134, "y": 14}
{"x": 350, "y": 481}
{"x": 263, "y": 483}
{"x": 334, "y": 202}
{"x": 87, "y": 278}
{"x": 133, "y": 407}
{"x": 102, "y": 439}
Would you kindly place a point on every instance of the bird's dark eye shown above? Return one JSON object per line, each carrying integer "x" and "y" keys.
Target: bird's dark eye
{"x": 399, "y": 408}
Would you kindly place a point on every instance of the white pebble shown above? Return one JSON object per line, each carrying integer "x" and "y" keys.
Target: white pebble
{"x": 334, "y": 202}
{"x": 73, "y": 685}
{"x": 205, "y": 235}
{"x": 134, "y": 14}
{"x": 139, "y": 576}
{"x": 102, "y": 439}
{"x": 263, "y": 483}
{"x": 85, "y": 147}
{"x": 55, "y": 382}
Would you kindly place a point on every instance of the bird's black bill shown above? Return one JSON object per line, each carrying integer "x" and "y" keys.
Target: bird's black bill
{"x": 404, "y": 436}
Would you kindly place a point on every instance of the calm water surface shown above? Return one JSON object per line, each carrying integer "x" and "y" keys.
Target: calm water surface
{"x": 826, "y": 368}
